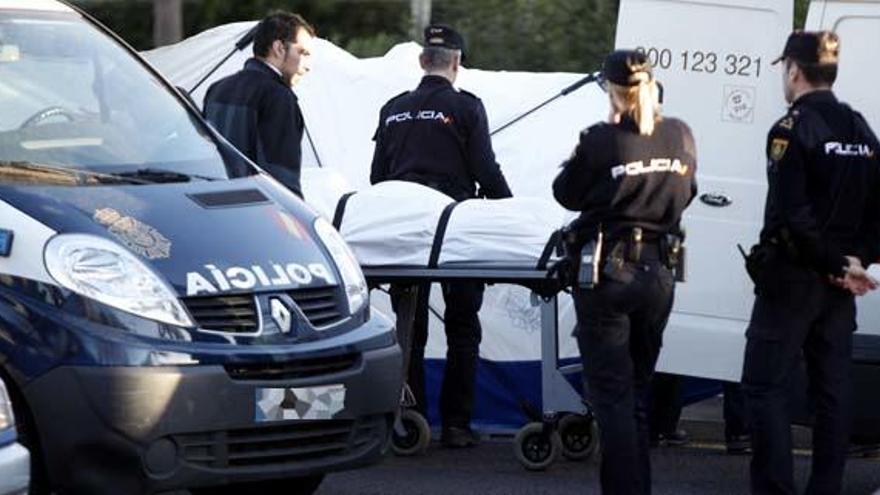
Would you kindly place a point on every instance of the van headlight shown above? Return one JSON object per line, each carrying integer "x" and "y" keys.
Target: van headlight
{"x": 352, "y": 276}
{"x": 102, "y": 270}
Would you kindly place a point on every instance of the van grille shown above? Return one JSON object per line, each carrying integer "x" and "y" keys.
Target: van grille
{"x": 292, "y": 370}
{"x": 304, "y": 442}
{"x": 232, "y": 314}
{"x": 322, "y": 306}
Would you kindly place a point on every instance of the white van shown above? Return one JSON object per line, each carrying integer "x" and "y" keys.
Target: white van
{"x": 714, "y": 60}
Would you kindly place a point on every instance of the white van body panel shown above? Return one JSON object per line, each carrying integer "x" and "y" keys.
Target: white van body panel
{"x": 730, "y": 111}
{"x": 714, "y": 60}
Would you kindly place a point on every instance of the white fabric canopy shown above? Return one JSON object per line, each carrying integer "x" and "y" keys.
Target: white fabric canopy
{"x": 394, "y": 223}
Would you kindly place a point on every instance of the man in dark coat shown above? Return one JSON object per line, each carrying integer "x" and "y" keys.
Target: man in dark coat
{"x": 256, "y": 110}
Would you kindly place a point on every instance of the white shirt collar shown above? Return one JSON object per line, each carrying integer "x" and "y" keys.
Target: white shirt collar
{"x": 274, "y": 69}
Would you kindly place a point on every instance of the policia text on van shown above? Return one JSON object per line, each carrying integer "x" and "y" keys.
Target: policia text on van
{"x": 172, "y": 317}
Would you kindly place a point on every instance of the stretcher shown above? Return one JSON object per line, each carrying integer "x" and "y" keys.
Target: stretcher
{"x": 566, "y": 426}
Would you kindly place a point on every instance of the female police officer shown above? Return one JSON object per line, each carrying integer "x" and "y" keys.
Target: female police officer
{"x": 630, "y": 178}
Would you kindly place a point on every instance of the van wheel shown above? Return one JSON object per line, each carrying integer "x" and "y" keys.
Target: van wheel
{"x": 306, "y": 485}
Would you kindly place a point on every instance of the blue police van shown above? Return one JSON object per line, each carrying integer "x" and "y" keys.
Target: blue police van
{"x": 170, "y": 316}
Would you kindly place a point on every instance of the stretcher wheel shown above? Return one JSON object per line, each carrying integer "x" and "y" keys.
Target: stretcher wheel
{"x": 411, "y": 434}
{"x": 536, "y": 448}
{"x": 580, "y": 437}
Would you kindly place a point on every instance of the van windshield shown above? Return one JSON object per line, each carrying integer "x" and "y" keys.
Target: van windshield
{"x": 73, "y": 98}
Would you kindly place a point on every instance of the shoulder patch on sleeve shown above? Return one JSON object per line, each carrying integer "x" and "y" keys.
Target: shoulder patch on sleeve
{"x": 778, "y": 147}
{"x": 788, "y": 121}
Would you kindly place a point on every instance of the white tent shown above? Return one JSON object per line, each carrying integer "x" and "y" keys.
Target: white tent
{"x": 341, "y": 98}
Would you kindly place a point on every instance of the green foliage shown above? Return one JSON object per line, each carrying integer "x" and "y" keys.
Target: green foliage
{"x": 800, "y": 12}
{"x": 534, "y": 35}
{"x": 131, "y": 20}
{"x": 370, "y": 25}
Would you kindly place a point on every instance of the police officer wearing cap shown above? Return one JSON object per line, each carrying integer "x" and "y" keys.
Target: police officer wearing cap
{"x": 255, "y": 109}
{"x": 631, "y": 178}
{"x": 438, "y": 136}
{"x": 821, "y": 228}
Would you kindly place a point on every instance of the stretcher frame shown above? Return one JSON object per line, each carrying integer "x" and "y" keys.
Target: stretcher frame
{"x": 557, "y": 393}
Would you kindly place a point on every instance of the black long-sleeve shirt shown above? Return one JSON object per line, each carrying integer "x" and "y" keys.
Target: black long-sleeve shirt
{"x": 256, "y": 111}
{"x": 824, "y": 184}
{"x": 439, "y": 137}
{"x": 621, "y": 179}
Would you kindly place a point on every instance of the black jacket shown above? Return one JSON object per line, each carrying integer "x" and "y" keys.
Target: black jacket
{"x": 256, "y": 111}
{"x": 621, "y": 179}
{"x": 439, "y": 137}
{"x": 823, "y": 174}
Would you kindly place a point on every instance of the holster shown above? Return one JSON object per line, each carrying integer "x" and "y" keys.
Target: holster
{"x": 673, "y": 251}
{"x": 581, "y": 254}
{"x": 759, "y": 260}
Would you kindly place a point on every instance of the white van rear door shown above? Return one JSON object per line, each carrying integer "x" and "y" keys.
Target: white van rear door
{"x": 858, "y": 25}
{"x": 714, "y": 59}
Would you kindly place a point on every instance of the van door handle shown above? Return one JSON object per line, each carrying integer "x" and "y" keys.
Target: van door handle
{"x": 718, "y": 200}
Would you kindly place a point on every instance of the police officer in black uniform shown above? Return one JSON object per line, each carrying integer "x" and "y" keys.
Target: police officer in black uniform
{"x": 438, "y": 136}
{"x": 255, "y": 108}
{"x": 631, "y": 179}
{"x": 821, "y": 227}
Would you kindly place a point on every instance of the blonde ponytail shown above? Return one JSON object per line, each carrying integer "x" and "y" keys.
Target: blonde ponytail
{"x": 640, "y": 102}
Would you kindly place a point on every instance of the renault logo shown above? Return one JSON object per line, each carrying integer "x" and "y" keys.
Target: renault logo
{"x": 281, "y": 315}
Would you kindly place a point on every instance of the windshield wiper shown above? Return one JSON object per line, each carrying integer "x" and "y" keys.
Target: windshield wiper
{"x": 53, "y": 174}
{"x": 161, "y": 175}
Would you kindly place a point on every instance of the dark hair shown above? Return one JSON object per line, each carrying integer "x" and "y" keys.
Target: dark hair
{"x": 818, "y": 74}
{"x": 282, "y": 26}
{"x": 438, "y": 58}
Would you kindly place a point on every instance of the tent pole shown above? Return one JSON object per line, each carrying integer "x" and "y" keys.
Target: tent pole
{"x": 589, "y": 78}
{"x": 243, "y": 42}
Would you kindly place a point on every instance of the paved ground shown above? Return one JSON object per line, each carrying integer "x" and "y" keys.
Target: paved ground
{"x": 702, "y": 468}
{"x": 491, "y": 469}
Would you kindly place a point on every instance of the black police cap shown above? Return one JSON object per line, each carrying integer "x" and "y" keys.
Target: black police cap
{"x": 442, "y": 36}
{"x": 627, "y": 68}
{"x": 811, "y": 48}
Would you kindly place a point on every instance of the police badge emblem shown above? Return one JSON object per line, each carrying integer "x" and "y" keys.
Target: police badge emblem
{"x": 778, "y": 147}
{"x": 134, "y": 234}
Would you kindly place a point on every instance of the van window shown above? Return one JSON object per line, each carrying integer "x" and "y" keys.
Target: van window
{"x": 74, "y": 98}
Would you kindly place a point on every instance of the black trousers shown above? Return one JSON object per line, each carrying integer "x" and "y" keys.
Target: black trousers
{"x": 665, "y": 399}
{"x": 463, "y": 335}
{"x": 736, "y": 417}
{"x": 802, "y": 316}
{"x": 620, "y": 329}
